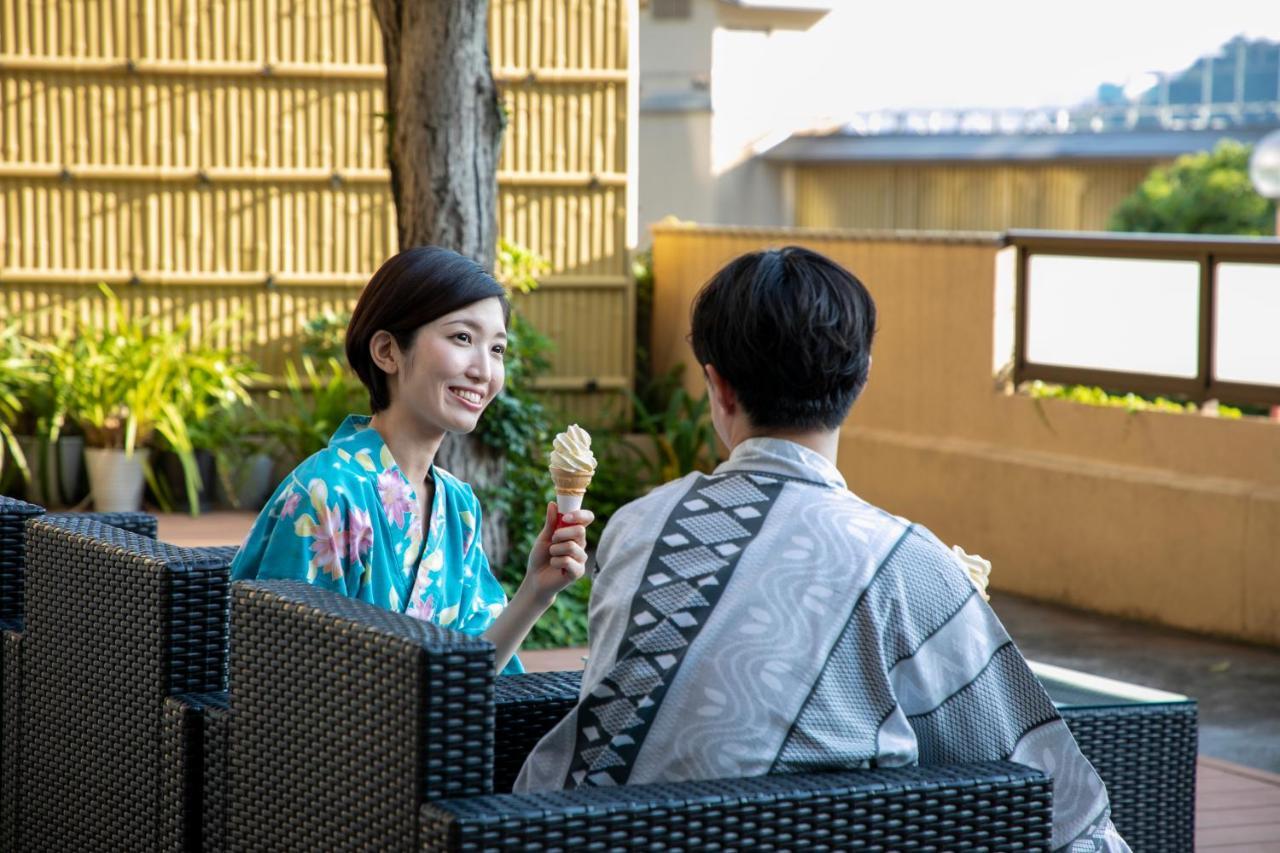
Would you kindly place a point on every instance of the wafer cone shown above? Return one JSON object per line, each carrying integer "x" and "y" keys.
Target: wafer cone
{"x": 570, "y": 487}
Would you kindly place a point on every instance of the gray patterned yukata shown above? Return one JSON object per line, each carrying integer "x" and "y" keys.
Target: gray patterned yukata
{"x": 764, "y": 619}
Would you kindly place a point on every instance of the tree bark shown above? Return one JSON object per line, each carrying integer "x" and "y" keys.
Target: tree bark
{"x": 445, "y": 124}
{"x": 444, "y": 133}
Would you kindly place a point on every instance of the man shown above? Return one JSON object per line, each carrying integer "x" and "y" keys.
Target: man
{"x": 764, "y": 619}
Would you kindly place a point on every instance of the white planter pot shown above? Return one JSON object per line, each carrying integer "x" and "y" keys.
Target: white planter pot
{"x": 115, "y": 480}
{"x": 60, "y": 467}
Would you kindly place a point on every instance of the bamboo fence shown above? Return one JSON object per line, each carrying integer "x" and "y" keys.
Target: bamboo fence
{"x": 226, "y": 161}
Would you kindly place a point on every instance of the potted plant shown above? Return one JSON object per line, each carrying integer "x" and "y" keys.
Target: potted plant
{"x": 14, "y": 368}
{"x": 38, "y": 377}
{"x": 212, "y": 396}
{"x": 234, "y": 436}
{"x": 134, "y": 380}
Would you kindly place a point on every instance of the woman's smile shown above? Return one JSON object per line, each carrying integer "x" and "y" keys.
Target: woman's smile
{"x": 473, "y": 399}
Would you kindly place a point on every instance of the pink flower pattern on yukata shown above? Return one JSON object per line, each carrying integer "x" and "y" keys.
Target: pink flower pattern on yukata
{"x": 396, "y": 496}
{"x": 424, "y": 608}
{"x": 328, "y": 536}
{"x": 290, "y": 506}
{"x": 359, "y": 533}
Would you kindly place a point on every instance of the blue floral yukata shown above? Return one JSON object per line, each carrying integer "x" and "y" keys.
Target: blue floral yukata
{"x": 346, "y": 519}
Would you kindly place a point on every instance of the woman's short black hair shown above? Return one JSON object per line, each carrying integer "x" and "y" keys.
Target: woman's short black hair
{"x": 408, "y": 291}
{"x": 790, "y": 330}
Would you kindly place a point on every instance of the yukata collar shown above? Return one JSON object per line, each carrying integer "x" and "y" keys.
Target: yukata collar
{"x": 786, "y": 458}
{"x": 355, "y": 434}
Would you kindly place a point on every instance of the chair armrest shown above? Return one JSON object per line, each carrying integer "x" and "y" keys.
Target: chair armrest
{"x": 1146, "y": 756}
{"x": 138, "y": 523}
{"x": 526, "y": 707}
{"x": 989, "y": 806}
{"x": 10, "y": 733}
{"x": 189, "y": 780}
{"x": 342, "y": 708}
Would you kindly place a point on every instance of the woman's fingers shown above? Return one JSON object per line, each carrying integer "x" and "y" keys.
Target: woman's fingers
{"x": 569, "y": 549}
{"x": 576, "y": 533}
{"x": 569, "y": 566}
{"x": 582, "y": 517}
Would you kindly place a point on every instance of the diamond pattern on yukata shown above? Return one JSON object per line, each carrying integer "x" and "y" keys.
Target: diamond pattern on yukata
{"x": 693, "y": 558}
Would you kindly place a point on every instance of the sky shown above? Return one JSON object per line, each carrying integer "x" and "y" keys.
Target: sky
{"x": 1020, "y": 53}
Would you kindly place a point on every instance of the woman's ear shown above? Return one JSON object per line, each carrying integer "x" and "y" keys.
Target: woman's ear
{"x": 385, "y": 352}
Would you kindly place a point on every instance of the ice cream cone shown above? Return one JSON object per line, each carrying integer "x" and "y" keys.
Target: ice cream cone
{"x": 570, "y": 487}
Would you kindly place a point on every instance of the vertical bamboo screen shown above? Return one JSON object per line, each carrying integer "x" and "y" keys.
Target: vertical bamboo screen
{"x": 964, "y": 197}
{"x": 226, "y": 159}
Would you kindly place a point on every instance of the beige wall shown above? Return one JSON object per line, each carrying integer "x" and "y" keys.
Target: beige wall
{"x": 1168, "y": 518}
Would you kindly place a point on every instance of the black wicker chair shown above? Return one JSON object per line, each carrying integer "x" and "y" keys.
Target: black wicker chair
{"x": 123, "y": 637}
{"x": 14, "y": 515}
{"x": 356, "y": 728}
{"x": 1145, "y": 754}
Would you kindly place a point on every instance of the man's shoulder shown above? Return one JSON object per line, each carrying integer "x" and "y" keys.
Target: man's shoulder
{"x": 657, "y": 497}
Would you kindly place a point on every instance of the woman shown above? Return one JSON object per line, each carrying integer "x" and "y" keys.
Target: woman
{"x": 371, "y": 516}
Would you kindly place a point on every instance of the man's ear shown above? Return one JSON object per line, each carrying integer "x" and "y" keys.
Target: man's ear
{"x": 385, "y": 352}
{"x": 722, "y": 393}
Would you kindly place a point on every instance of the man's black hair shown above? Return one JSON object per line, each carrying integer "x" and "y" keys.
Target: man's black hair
{"x": 790, "y": 330}
{"x": 408, "y": 291}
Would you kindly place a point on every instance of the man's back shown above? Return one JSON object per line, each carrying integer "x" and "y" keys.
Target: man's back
{"x": 764, "y": 619}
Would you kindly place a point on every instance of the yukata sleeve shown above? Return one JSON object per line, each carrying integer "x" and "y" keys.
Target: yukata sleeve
{"x": 969, "y": 695}
{"x": 308, "y": 540}
{"x": 483, "y": 598}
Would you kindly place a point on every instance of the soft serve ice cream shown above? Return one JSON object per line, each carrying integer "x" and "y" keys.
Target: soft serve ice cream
{"x": 572, "y": 465}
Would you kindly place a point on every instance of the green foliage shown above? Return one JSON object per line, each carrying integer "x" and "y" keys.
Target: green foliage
{"x": 130, "y": 379}
{"x": 681, "y": 430}
{"x": 1204, "y": 193}
{"x": 518, "y": 268}
{"x": 15, "y": 368}
{"x": 318, "y": 398}
{"x": 325, "y": 336}
{"x": 1091, "y": 396}
{"x": 642, "y": 274}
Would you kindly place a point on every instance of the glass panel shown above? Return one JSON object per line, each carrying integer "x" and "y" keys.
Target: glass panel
{"x": 1131, "y": 315}
{"x": 1247, "y": 324}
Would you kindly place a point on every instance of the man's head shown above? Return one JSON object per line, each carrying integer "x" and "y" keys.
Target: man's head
{"x": 790, "y": 332}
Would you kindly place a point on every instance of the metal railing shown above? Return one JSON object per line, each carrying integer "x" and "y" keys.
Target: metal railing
{"x": 1207, "y": 252}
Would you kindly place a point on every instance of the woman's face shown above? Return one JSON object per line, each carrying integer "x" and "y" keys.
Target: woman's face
{"x": 454, "y": 368}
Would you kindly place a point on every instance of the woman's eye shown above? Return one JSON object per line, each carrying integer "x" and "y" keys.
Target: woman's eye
{"x": 500, "y": 350}
{"x": 462, "y": 337}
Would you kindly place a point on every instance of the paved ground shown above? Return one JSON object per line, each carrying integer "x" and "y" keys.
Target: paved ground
{"x": 1237, "y": 686}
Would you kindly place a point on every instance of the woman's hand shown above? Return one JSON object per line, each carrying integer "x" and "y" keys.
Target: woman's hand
{"x": 559, "y": 555}
{"x": 559, "y": 558}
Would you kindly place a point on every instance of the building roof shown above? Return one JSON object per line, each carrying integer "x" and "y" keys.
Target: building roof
{"x": 842, "y": 146}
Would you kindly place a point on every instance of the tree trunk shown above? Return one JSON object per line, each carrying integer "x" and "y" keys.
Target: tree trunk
{"x": 444, "y": 123}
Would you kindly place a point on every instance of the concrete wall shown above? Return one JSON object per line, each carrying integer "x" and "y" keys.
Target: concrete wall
{"x": 1168, "y": 518}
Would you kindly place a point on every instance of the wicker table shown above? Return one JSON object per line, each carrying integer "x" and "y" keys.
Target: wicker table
{"x": 1143, "y": 744}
